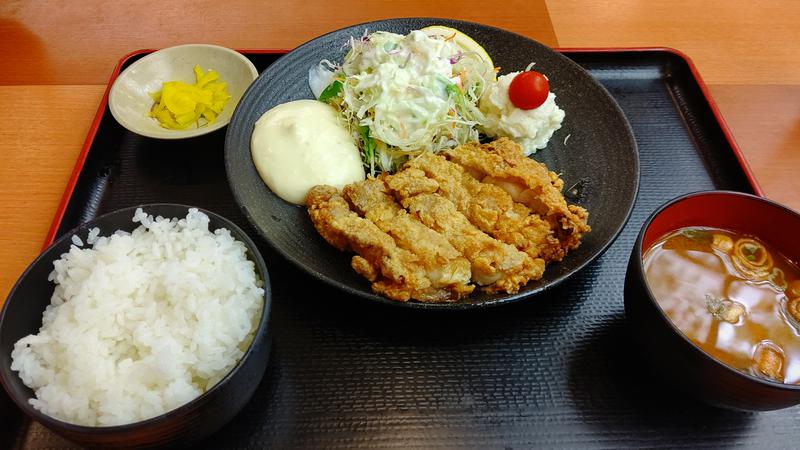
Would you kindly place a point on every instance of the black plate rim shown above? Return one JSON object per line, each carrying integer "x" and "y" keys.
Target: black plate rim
{"x": 506, "y": 299}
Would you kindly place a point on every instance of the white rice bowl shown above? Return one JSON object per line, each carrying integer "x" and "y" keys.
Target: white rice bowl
{"x": 141, "y": 323}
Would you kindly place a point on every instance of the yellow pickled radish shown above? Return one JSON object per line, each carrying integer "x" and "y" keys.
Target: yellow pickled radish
{"x": 179, "y": 98}
{"x": 178, "y": 105}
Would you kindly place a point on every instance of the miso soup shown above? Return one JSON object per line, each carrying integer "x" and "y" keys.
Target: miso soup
{"x": 732, "y": 295}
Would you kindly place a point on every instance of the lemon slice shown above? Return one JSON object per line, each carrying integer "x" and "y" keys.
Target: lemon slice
{"x": 462, "y": 40}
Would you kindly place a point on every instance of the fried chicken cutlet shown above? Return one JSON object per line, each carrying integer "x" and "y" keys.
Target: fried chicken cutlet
{"x": 393, "y": 271}
{"x": 496, "y": 266}
{"x": 528, "y": 182}
{"x": 481, "y": 213}
{"x": 490, "y": 208}
{"x": 448, "y": 271}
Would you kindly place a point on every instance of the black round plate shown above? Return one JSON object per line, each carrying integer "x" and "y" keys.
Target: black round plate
{"x": 599, "y": 157}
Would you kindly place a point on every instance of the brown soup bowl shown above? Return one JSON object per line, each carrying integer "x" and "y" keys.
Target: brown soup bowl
{"x": 671, "y": 353}
{"x": 22, "y": 315}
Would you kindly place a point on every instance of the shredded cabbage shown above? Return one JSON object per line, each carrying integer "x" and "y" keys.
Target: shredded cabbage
{"x": 403, "y": 95}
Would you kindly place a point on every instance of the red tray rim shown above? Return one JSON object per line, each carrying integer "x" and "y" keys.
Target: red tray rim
{"x": 87, "y": 143}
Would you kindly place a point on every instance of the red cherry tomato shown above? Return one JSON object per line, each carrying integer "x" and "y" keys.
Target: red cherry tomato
{"x": 528, "y": 90}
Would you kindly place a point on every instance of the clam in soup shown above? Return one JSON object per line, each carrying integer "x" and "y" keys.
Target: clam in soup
{"x": 733, "y": 295}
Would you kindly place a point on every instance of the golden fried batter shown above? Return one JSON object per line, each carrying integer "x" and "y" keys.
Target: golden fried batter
{"x": 448, "y": 271}
{"x": 490, "y": 208}
{"x": 495, "y": 265}
{"x": 529, "y": 182}
{"x": 394, "y": 272}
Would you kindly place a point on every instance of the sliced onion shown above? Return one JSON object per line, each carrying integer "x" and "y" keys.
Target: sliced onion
{"x": 320, "y": 76}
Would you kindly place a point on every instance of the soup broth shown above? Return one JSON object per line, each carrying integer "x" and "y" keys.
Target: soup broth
{"x": 732, "y": 295}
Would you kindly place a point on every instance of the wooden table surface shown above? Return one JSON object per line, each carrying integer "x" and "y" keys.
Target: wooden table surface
{"x": 56, "y": 57}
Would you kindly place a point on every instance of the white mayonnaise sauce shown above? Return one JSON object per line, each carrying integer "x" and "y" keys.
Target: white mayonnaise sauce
{"x": 300, "y": 144}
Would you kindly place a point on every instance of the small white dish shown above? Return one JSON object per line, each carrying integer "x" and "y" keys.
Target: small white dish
{"x": 130, "y": 102}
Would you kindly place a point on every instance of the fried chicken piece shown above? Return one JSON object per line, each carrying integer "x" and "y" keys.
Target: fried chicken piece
{"x": 490, "y": 208}
{"x": 495, "y": 265}
{"x": 448, "y": 271}
{"x": 529, "y": 182}
{"x": 394, "y": 272}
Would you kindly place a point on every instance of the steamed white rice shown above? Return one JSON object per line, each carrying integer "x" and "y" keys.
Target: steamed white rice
{"x": 141, "y": 322}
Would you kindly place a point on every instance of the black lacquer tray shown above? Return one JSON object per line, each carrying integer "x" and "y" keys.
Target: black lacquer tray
{"x": 559, "y": 371}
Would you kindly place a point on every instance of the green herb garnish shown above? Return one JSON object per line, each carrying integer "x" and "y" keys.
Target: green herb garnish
{"x": 369, "y": 148}
{"x": 749, "y": 251}
{"x": 724, "y": 309}
{"x": 701, "y": 236}
{"x": 333, "y": 90}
